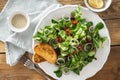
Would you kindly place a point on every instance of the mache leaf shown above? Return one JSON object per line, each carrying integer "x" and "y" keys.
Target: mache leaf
{"x": 58, "y": 73}
{"x": 99, "y": 25}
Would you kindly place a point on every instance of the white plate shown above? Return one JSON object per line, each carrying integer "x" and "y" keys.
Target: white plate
{"x": 101, "y": 55}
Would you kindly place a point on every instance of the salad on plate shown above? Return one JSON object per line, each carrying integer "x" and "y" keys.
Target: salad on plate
{"x": 74, "y": 40}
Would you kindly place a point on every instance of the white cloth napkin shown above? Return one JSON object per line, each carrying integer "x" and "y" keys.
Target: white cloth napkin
{"x": 17, "y": 43}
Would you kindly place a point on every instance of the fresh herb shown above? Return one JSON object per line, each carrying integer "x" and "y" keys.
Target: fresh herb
{"x": 99, "y": 26}
{"x": 89, "y": 24}
{"x": 58, "y": 73}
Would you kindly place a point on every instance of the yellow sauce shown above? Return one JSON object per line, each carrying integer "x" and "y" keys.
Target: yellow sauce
{"x": 19, "y": 21}
{"x": 96, "y": 3}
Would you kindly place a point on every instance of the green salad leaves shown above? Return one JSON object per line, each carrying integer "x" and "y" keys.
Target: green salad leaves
{"x": 74, "y": 39}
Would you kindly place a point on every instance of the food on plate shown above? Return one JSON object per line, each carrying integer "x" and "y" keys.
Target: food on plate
{"x": 96, "y": 3}
{"x": 74, "y": 39}
{"x": 46, "y": 52}
{"x": 37, "y": 59}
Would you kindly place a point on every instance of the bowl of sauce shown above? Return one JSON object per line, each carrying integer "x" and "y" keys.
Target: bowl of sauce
{"x": 98, "y": 5}
{"x": 18, "y": 21}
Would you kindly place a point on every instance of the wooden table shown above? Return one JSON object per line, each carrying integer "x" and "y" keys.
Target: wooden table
{"x": 110, "y": 71}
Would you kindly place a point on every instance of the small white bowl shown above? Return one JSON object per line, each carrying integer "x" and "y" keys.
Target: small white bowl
{"x": 106, "y": 6}
{"x": 16, "y": 28}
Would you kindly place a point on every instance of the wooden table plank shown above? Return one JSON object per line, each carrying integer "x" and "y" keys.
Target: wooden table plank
{"x": 113, "y": 26}
{"x": 110, "y": 71}
{"x": 18, "y": 72}
{"x": 2, "y": 47}
{"x": 113, "y": 12}
{"x": 2, "y": 3}
{"x": 67, "y": 2}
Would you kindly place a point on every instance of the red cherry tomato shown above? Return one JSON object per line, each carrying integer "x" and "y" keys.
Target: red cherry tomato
{"x": 67, "y": 31}
{"x": 74, "y": 22}
{"x": 79, "y": 47}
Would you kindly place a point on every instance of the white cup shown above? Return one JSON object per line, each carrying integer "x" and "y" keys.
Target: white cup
{"x": 18, "y": 21}
{"x": 106, "y": 6}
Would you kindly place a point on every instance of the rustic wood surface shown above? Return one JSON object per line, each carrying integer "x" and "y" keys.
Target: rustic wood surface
{"x": 110, "y": 71}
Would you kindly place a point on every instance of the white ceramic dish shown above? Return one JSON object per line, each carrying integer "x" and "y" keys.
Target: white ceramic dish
{"x": 12, "y": 27}
{"x": 106, "y": 6}
{"x": 101, "y": 55}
